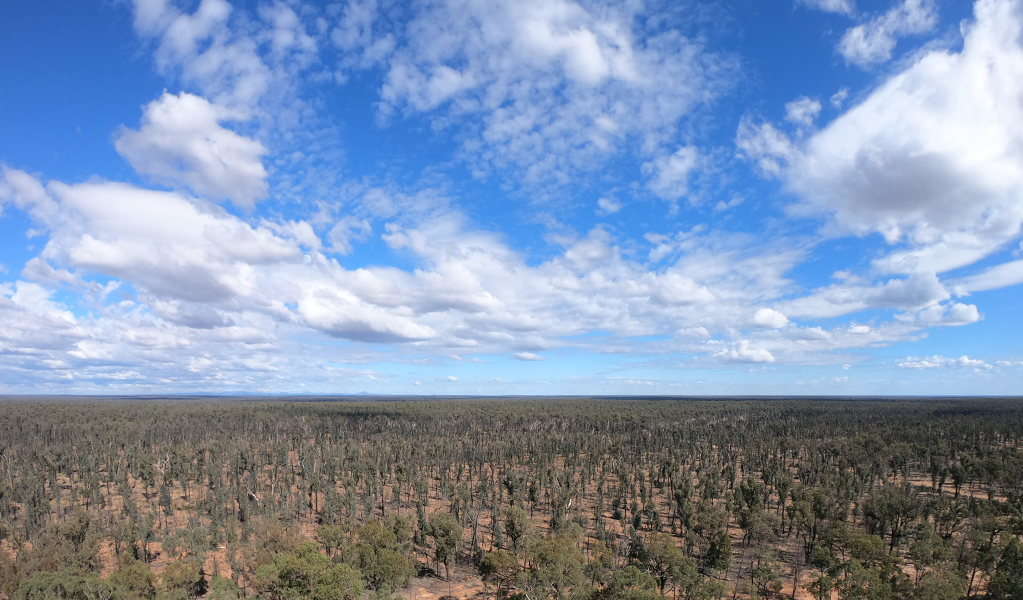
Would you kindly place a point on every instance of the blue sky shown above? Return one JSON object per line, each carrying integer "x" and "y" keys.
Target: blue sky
{"x": 531, "y": 197}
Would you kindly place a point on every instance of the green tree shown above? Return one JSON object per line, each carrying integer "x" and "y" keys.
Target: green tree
{"x": 305, "y": 573}
{"x": 601, "y": 563}
{"x": 65, "y": 584}
{"x": 891, "y": 509}
{"x": 222, "y": 588}
{"x": 333, "y": 538}
{"x": 940, "y": 586}
{"x": 555, "y": 565}
{"x": 447, "y": 539}
{"x": 820, "y": 586}
{"x": 719, "y": 553}
{"x": 517, "y": 527}
{"x": 927, "y": 550}
{"x": 864, "y": 583}
{"x": 631, "y": 584}
{"x": 378, "y": 556}
{"x": 500, "y": 568}
{"x": 668, "y": 564}
{"x": 185, "y": 576}
{"x": 1007, "y": 579}
{"x": 134, "y": 579}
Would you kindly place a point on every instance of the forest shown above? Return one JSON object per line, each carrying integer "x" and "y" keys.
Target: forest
{"x": 530, "y": 499}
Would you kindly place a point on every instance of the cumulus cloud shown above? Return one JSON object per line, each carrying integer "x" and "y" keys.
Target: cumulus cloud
{"x": 47, "y": 347}
{"x": 194, "y": 262}
{"x": 527, "y": 356}
{"x": 913, "y": 293}
{"x": 197, "y": 269}
{"x": 342, "y": 314}
{"x": 162, "y": 241}
{"x": 224, "y": 62}
{"x": 945, "y": 315}
{"x": 181, "y": 143}
{"x": 25, "y": 192}
{"x": 872, "y": 42}
{"x": 258, "y": 64}
{"x": 941, "y": 362}
{"x": 930, "y": 160}
{"x": 768, "y": 318}
{"x": 743, "y": 353}
{"x": 204, "y": 279}
{"x": 802, "y": 111}
{"x": 764, "y": 144}
{"x": 198, "y": 277}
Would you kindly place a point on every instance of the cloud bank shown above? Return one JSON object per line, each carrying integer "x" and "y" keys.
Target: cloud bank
{"x": 203, "y": 274}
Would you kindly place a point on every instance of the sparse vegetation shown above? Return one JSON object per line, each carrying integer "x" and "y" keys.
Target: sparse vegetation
{"x": 512, "y": 499}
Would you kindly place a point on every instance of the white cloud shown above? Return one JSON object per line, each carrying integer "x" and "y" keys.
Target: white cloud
{"x": 934, "y": 156}
{"x": 913, "y": 293}
{"x": 225, "y": 64}
{"x": 765, "y": 144}
{"x": 742, "y": 353}
{"x": 695, "y": 333}
{"x": 201, "y": 280}
{"x": 355, "y": 36}
{"x": 722, "y": 205}
{"x": 940, "y": 362}
{"x": 802, "y": 111}
{"x": 932, "y": 160}
{"x": 287, "y": 35}
{"x": 259, "y": 62}
{"x": 198, "y": 268}
{"x": 768, "y": 318}
{"x": 838, "y": 98}
{"x": 843, "y": 7}
{"x": 945, "y": 315}
{"x": 873, "y": 41}
{"x": 27, "y": 193}
{"x": 181, "y": 143}
{"x": 528, "y": 356}
{"x": 998, "y": 276}
{"x": 161, "y": 241}
{"x": 608, "y": 206}
{"x": 543, "y": 88}
{"x": 669, "y": 175}
{"x": 340, "y": 313}
{"x": 347, "y": 230}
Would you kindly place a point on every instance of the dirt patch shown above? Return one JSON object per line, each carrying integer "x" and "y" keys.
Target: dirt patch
{"x": 465, "y": 584}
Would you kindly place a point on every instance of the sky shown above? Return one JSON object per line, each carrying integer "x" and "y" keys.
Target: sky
{"x": 443, "y": 197}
